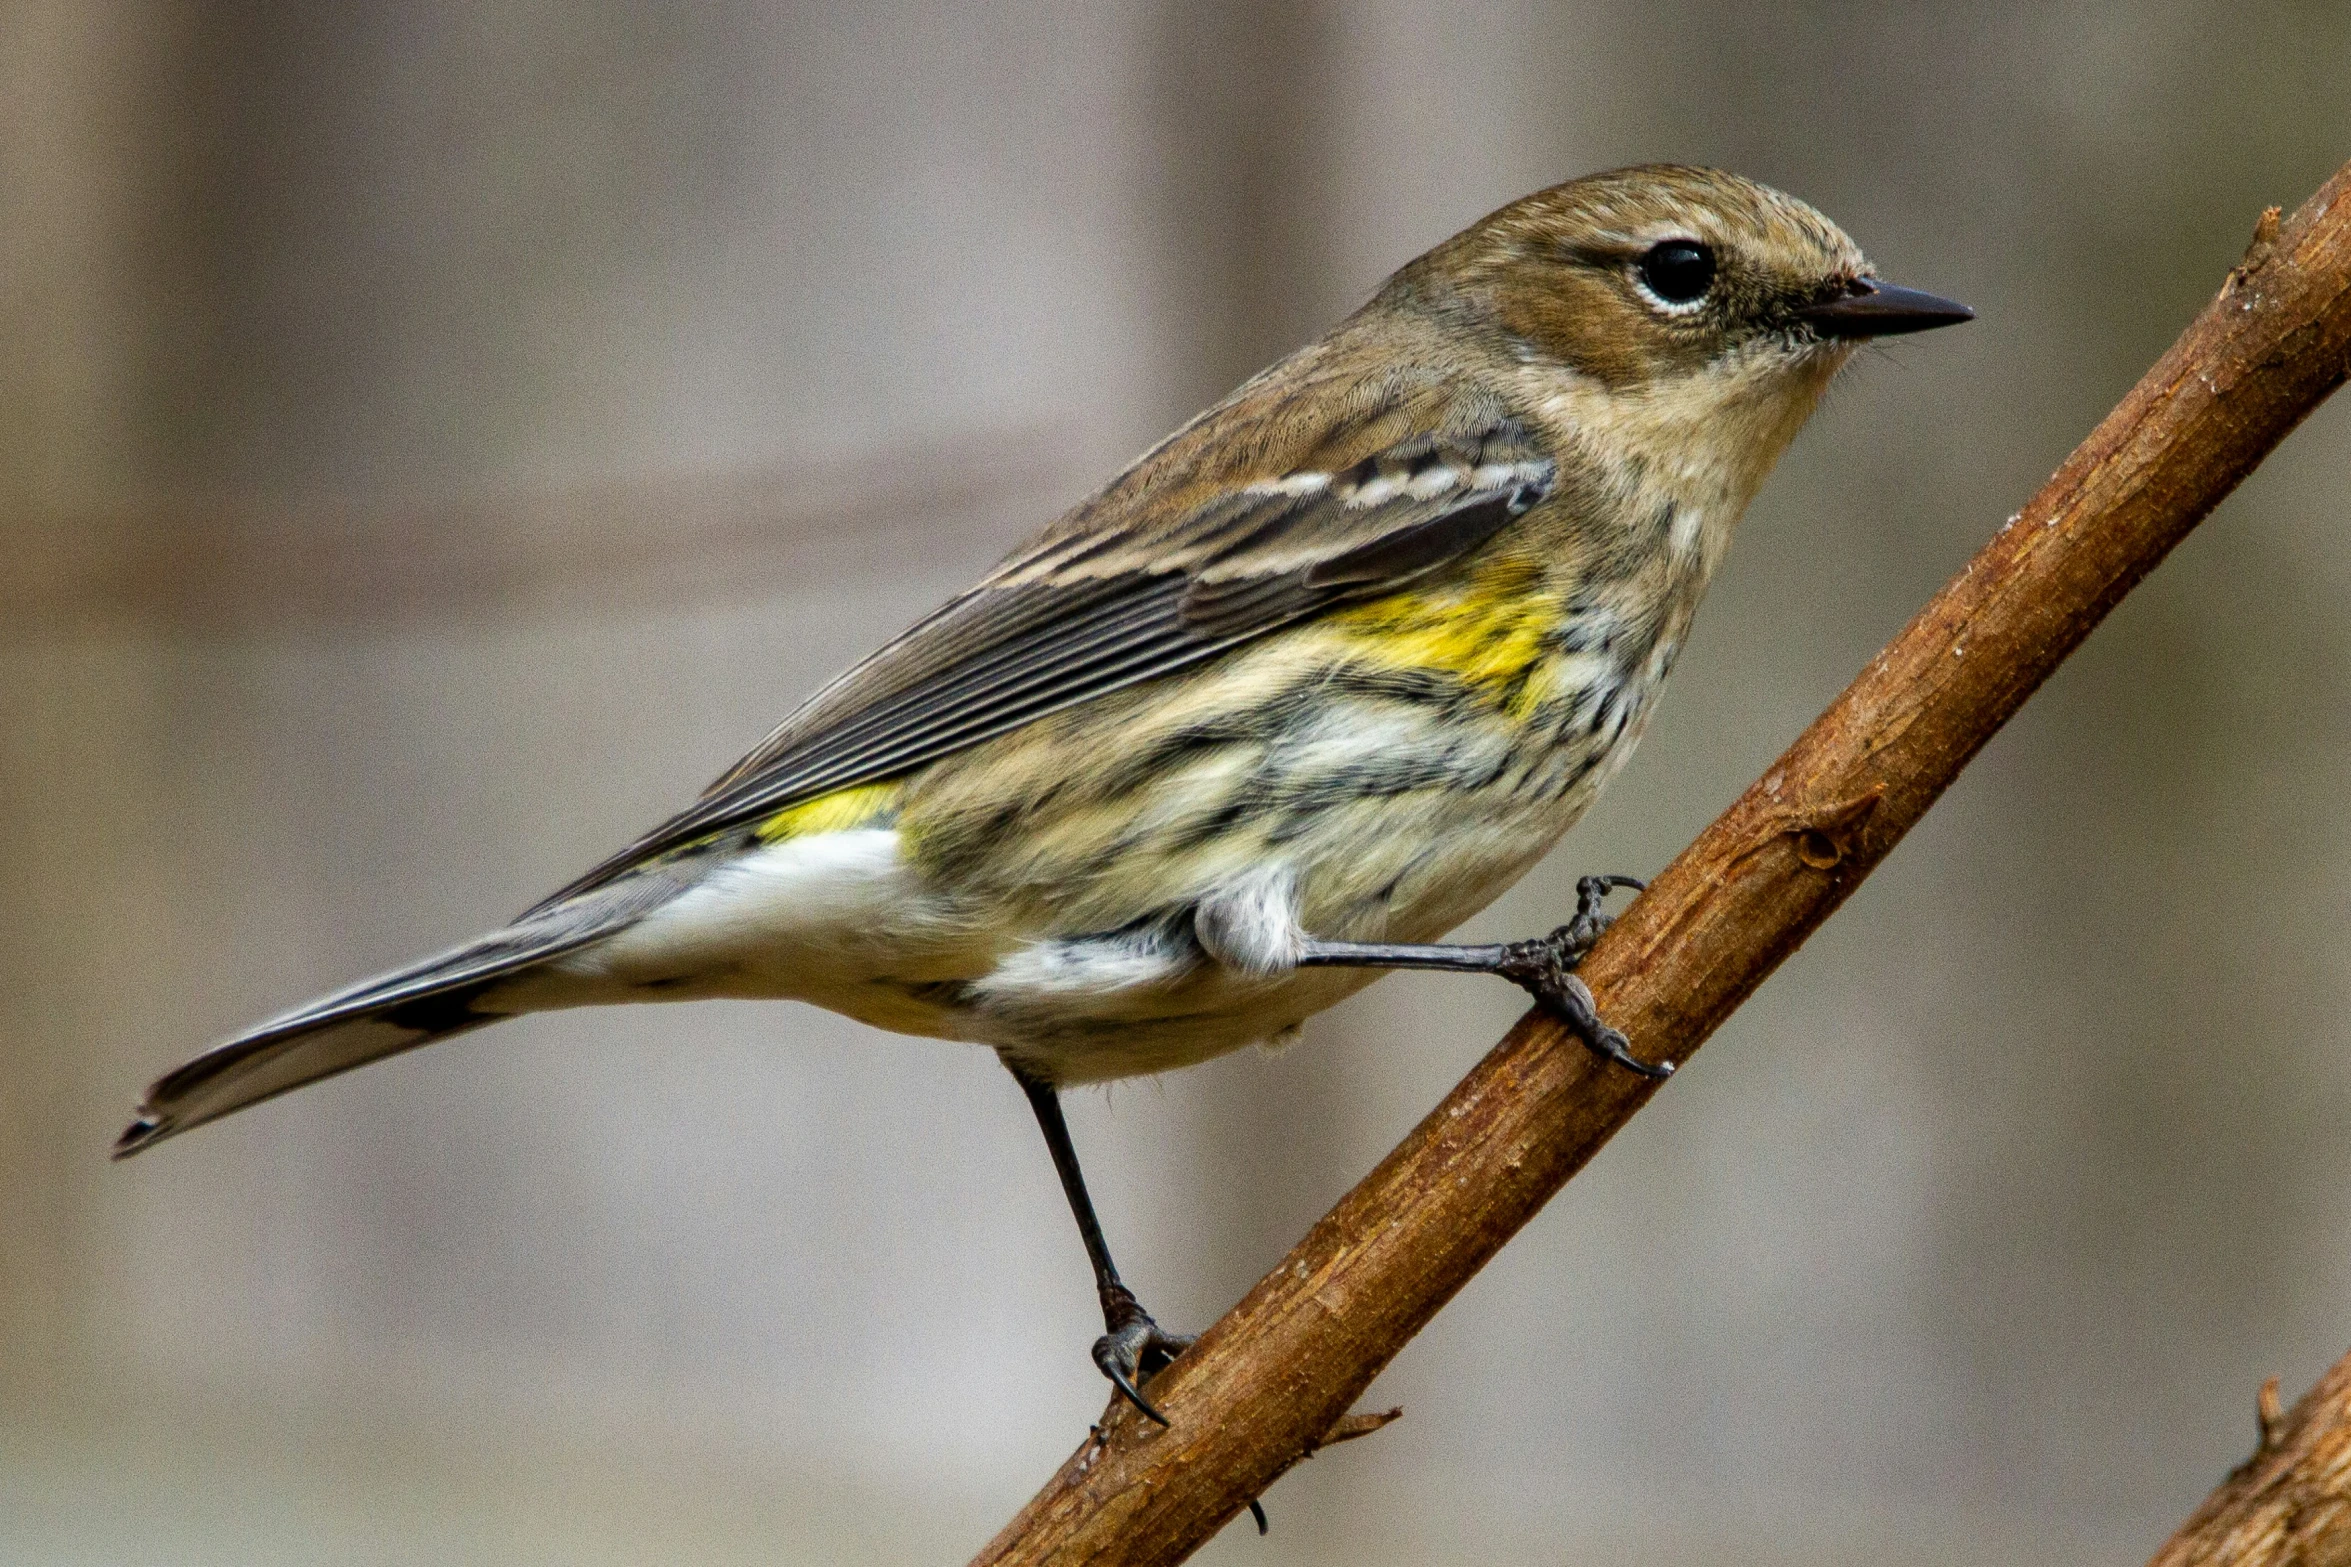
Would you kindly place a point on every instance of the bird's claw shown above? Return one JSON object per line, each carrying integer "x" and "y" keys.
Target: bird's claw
{"x": 1133, "y": 1349}
{"x": 1579, "y": 934}
{"x": 1545, "y": 968}
{"x": 1570, "y": 1000}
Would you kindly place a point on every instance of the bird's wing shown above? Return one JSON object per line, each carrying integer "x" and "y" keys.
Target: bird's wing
{"x": 1168, "y": 567}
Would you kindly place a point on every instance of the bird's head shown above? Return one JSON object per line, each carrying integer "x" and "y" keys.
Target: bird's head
{"x": 1645, "y": 276}
{"x": 1671, "y": 302}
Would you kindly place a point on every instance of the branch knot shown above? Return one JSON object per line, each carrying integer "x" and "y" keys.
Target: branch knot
{"x": 2257, "y": 254}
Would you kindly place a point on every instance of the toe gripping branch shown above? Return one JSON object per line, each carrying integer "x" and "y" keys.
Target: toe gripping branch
{"x": 1545, "y": 968}
{"x": 1133, "y": 1348}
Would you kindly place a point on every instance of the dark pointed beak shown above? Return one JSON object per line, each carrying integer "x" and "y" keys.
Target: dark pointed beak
{"x": 1870, "y": 308}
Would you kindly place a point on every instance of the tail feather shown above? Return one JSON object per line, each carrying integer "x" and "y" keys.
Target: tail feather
{"x": 254, "y": 1067}
{"x": 383, "y": 1016}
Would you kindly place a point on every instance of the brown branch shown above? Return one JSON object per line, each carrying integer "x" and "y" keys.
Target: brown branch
{"x": 2289, "y": 1505}
{"x": 1280, "y": 1369}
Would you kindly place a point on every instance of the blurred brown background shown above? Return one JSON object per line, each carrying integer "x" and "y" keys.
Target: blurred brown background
{"x": 436, "y": 437}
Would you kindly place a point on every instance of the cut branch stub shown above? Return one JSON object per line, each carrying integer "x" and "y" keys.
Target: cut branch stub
{"x": 2289, "y": 1505}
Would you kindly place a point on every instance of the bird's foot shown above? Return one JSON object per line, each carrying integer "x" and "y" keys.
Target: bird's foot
{"x": 1545, "y": 967}
{"x": 1133, "y": 1349}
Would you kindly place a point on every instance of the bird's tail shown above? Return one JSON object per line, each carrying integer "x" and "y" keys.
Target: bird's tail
{"x": 384, "y": 1016}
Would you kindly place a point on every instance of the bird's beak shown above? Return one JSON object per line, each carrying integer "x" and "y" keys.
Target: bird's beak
{"x": 1870, "y": 308}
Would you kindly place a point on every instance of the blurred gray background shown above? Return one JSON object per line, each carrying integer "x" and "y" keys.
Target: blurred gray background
{"x": 436, "y": 437}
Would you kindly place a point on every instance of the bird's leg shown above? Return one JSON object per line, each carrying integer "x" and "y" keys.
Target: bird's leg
{"x": 1544, "y": 967}
{"x": 1132, "y": 1347}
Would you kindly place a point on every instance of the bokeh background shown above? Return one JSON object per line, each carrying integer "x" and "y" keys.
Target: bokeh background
{"x": 436, "y": 437}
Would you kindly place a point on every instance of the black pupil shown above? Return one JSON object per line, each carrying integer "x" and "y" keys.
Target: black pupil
{"x": 1678, "y": 271}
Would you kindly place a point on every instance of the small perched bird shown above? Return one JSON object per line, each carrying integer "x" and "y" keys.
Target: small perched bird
{"x": 1310, "y": 683}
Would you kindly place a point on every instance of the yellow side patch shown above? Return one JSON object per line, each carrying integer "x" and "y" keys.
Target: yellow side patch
{"x": 840, "y": 811}
{"x": 1488, "y": 632}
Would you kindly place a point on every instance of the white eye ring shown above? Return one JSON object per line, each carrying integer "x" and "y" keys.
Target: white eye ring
{"x": 1676, "y": 276}
{"x": 1668, "y": 307}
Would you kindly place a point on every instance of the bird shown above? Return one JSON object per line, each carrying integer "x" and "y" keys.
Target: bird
{"x": 1304, "y": 687}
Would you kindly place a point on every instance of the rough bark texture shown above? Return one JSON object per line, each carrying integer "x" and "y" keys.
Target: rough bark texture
{"x": 2289, "y": 1505}
{"x": 1281, "y": 1368}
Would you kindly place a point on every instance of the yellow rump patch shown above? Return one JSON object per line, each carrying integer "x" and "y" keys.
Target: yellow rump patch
{"x": 840, "y": 811}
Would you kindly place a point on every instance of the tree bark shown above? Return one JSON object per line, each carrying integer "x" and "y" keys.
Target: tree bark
{"x": 2289, "y": 1505}
{"x": 1279, "y": 1370}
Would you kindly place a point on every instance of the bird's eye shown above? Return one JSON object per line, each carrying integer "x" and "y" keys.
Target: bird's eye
{"x": 1677, "y": 272}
